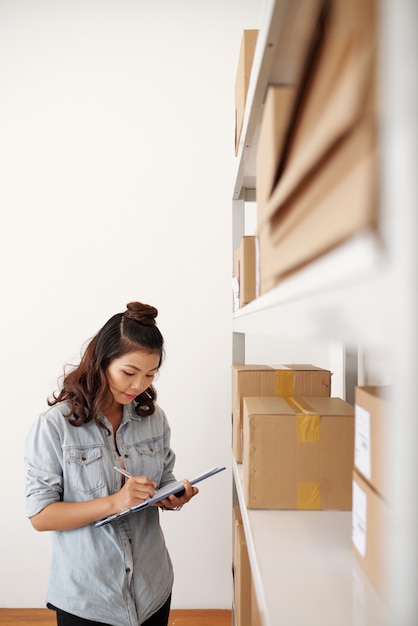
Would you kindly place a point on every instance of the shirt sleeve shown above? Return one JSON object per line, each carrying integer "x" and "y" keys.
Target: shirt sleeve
{"x": 43, "y": 458}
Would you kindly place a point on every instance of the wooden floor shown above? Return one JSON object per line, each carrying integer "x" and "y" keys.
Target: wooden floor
{"x": 178, "y": 617}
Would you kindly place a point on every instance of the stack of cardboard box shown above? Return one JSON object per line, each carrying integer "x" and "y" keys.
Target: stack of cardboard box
{"x": 296, "y": 443}
{"x": 272, "y": 380}
{"x": 316, "y": 160}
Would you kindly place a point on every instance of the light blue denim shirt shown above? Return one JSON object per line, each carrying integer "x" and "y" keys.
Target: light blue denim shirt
{"x": 120, "y": 573}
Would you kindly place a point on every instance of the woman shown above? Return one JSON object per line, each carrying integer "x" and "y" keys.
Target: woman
{"x": 105, "y": 415}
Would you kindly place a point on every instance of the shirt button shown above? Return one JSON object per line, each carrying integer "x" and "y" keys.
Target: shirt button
{"x": 128, "y": 570}
{"x": 126, "y": 455}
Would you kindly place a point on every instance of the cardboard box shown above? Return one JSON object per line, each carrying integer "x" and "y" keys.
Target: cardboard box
{"x": 245, "y": 268}
{"x": 298, "y": 453}
{"x": 269, "y": 380}
{"x": 242, "y": 576}
{"x": 236, "y": 519}
{"x": 268, "y": 253}
{"x": 256, "y": 619}
{"x": 372, "y": 410}
{"x": 242, "y": 80}
{"x": 370, "y": 533}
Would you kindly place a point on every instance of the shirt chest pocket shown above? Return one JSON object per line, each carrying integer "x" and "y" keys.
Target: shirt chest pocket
{"x": 150, "y": 456}
{"x": 85, "y": 469}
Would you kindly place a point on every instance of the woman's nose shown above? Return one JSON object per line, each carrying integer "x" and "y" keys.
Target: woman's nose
{"x": 138, "y": 383}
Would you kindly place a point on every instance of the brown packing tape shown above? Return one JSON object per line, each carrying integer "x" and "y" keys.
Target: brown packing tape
{"x": 308, "y": 427}
{"x": 284, "y": 383}
{"x": 308, "y": 422}
{"x": 309, "y": 496}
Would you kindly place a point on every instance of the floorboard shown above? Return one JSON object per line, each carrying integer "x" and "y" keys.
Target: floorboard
{"x": 178, "y": 617}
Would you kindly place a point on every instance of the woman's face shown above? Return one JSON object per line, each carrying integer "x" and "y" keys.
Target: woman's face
{"x": 131, "y": 374}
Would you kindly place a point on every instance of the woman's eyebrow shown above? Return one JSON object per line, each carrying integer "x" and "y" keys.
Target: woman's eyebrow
{"x": 134, "y": 367}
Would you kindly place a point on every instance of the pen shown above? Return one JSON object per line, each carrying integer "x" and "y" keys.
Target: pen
{"x": 122, "y": 471}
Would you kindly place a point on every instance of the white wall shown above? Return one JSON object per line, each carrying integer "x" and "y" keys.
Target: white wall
{"x": 116, "y": 168}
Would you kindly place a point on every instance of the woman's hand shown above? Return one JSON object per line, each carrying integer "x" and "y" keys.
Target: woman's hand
{"x": 176, "y": 502}
{"x": 69, "y": 515}
{"x": 135, "y": 491}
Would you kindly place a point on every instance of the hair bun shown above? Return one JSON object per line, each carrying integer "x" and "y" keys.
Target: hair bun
{"x": 143, "y": 313}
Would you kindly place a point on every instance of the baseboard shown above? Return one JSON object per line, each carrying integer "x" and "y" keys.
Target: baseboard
{"x": 180, "y": 617}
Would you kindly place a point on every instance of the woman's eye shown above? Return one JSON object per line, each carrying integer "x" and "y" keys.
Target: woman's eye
{"x": 128, "y": 374}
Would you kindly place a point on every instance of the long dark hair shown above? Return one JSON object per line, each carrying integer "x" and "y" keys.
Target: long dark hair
{"x": 86, "y": 389}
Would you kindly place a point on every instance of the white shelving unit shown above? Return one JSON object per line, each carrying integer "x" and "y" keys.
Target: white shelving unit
{"x": 363, "y": 294}
{"x": 303, "y": 568}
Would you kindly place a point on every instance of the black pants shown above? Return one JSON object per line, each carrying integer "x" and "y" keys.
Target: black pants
{"x": 160, "y": 618}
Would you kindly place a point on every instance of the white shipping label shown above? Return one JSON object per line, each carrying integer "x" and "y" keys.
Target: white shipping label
{"x": 359, "y": 521}
{"x": 362, "y": 441}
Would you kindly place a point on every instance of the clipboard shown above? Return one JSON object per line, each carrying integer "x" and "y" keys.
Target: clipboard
{"x": 174, "y": 487}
